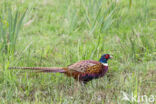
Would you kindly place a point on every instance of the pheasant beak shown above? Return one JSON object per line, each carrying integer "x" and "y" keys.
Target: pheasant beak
{"x": 110, "y": 57}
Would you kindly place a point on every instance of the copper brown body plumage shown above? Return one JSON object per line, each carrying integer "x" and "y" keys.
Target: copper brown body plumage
{"x": 82, "y": 71}
{"x": 86, "y": 70}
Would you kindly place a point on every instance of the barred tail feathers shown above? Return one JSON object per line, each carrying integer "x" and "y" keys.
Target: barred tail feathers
{"x": 43, "y": 69}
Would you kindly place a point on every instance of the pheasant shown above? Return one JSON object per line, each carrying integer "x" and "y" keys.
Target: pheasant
{"x": 82, "y": 71}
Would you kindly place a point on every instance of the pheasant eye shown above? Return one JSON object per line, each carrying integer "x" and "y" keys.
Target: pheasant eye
{"x": 107, "y": 56}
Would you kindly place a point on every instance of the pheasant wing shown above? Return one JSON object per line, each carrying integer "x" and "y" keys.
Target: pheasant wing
{"x": 83, "y": 66}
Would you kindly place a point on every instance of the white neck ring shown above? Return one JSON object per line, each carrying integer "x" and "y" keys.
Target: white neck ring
{"x": 105, "y": 64}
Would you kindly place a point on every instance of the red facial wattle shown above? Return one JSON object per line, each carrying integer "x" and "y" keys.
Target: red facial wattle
{"x": 107, "y": 56}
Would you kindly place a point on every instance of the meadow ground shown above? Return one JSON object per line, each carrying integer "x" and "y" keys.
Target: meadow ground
{"x": 61, "y": 32}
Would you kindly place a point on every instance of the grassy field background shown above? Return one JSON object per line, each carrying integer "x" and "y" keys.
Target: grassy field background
{"x": 61, "y": 32}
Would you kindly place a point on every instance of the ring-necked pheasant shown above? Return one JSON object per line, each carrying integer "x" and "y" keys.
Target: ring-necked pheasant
{"x": 82, "y": 71}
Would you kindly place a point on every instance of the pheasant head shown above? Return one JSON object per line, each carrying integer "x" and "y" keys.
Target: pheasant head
{"x": 104, "y": 58}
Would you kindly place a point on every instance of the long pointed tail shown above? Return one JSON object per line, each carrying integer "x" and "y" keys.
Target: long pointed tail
{"x": 42, "y": 69}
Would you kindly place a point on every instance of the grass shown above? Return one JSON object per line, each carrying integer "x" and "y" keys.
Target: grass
{"x": 61, "y": 32}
